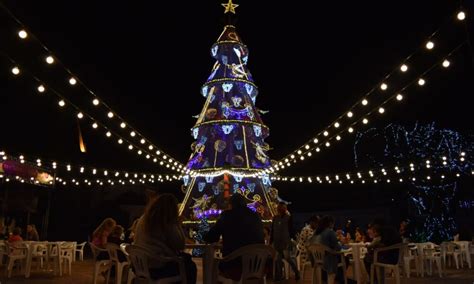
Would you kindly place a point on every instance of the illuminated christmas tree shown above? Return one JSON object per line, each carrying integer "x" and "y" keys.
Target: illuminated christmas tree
{"x": 229, "y": 151}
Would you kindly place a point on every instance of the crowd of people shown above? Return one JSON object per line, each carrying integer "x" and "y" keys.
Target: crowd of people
{"x": 13, "y": 233}
{"x": 160, "y": 232}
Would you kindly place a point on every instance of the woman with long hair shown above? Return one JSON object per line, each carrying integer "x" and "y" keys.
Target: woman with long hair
{"x": 160, "y": 233}
{"x": 100, "y": 234}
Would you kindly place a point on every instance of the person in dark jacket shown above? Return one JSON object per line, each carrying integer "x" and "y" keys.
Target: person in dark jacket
{"x": 282, "y": 229}
{"x": 238, "y": 227}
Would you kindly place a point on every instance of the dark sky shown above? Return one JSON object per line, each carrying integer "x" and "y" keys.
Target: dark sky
{"x": 311, "y": 60}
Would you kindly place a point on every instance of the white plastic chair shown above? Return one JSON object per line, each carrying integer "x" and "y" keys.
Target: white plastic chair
{"x": 410, "y": 255}
{"x": 393, "y": 267}
{"x": 100, "y": 266}
{"x": 37, "y": 251}
{"x": 254, "y": 259}
{"x": 79, "y": 250}
{"x": 66, "y": 255}
{"x": 119, "y": 266}
{"x": 17, "y": 252}
{"x": 139, "y": 257}
{"x": 318, "y": 253}
{"x": 426, "y": 256}
{"x": 448, "y": 253}
{"x": 465, "y": 253}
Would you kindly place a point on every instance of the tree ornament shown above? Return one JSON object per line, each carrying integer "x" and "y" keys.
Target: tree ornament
{"x": 219, "y": 145}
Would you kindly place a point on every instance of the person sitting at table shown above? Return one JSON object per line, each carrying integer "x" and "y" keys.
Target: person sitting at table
{"x": 32, "y": 233}
{"x": 100, "y": 235}
{"x": 326, "y": 236}
{"x": 239, "y": 227}
{"x": 383, "y": 237}
{"x": 159, "y": 232}
{"x": 359, "y": 235}
{"x": 15, "y": 236}
{"x": 116, "y": 237}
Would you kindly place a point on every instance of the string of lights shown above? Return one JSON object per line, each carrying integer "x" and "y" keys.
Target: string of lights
{"x": 315, "y": 142}
{"x": 98, "y": 174}
{"x": 323, "y": 139}
{"x": 431, "y": 170}
{"x": 149, "y": 152}
{"x": 74, "y": 81}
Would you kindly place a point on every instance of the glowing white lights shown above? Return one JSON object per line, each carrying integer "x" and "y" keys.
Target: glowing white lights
{"x": 337, "y": 125}
{"x": 446, "y": 63}
{"x": 399, "y": 97}
{"x": 49, "y": 59}
{"x": 108, "y": 134}
{"x": 315, "y": 140}
{"x": 61, "y": 103}
{"x": 80, "y": 115}
{"x": 110, "y": 114}
{"x": 95, "y": 125}
{"x": 365, "y": 102}
{"x": 72, "y": 81}
{"x": 120, "y": 141}
{"x": 325, "y": 133}
{"x": 123, "y": 125}
{"x": 461, "y": 16}
{"x": 381, "y": 110}
{"x": 95, "y": 102}
{"x": 429, "y": 45}
{"x": 421, "y": 81}
{"x": 350, "y": 129}
{"x": 15, "y": 70}
{"x": 41, "y": 89}
{"x": 404, "y": 68}
{"x": 350, "y": 114}
{"x": 143, "y": 141}
{"x": 365, "y": 121}
{"x": 383, "y": 87}
{"x": 22, "y": 34}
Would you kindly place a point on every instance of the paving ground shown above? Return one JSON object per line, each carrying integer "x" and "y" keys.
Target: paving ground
{"x": 82, "y": 274}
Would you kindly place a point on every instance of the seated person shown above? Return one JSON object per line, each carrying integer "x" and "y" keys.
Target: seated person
{"x": 159, "y": 232}
{"x": 360, "y": 235}
{"x": 15, "y": 236}
{"x": 238, "y": 227}
{"x": 326, "y": 236}
{"x": 115, "y": 237}
{"x": 99, "y": 237}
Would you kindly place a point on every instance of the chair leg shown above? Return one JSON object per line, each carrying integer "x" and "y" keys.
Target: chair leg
{"x": 107, "y": 279}
{"x": 380, "y": 276}
{"x": 406, "y": 265}
{"x": 130, "y": 276}
{"x": 397, "y": 275}
{"x": 118, "y": 273}
{"x": 372, "y": 274}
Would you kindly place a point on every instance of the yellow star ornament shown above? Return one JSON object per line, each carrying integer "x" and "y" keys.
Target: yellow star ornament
{"x": 230, "y": 7}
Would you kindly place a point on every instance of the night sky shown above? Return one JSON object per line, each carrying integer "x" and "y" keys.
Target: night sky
{"x": 311, "y": 60}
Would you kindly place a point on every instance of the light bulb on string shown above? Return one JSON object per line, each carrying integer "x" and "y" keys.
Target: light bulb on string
{"x": 95, "y": 125}
{"x": 338, "y": 137}
{"x": 132, "y": 133}
{"x": 49, "y": 59}
{"x": 350, "y": 129}
{"x": 325, "y": 133}
{"x": 365, "y": 121}
{"x": 142, "y": 141}
{"x": 150, "y": 147}
{"x": 80, "y": 115}
{"x": 15, "y": 70}
{"x": 72, "y": 81}
{"x": 461, "y": 16}
{"x": 315, "y": 141}
{"x": 429, "y": 45}
{"x": 350, "y": 114}
{"x": 95, "y": 102}
{"x": 404, "y": 68}
{"x": 120, "y": 141}
{"x": 61, "y": 103}
{"x": 110, "y": 114}
{"x": 123, "y": 125}
{"x": 22, "y": 34}
{"x": 383, "y": 87}
{"x": 399, "y": 97}
{"x": 365, "y": 102}
{"x": 108, "y": 134}
{"x": 446, "y": 63}
{"x": 381, "y": 110}
{"x": 336, "y": 124}
{"x": 421, "y": 81}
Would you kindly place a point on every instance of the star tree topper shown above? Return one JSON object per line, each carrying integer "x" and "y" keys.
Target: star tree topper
{"x": 230, "y": 7}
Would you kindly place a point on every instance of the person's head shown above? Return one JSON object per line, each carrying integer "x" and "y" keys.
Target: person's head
{"x": 359, "y": 234}
{"x": 313, "y": 221}
{"x": 327, "y": 222}
{"x": 161, "y": 213}
{"x": 237, "y": 201}
{"x": 16, "y": 231}
{"x": 29, "y": 228}
{"x": 376, "y": 231}
{"x": 281, "y": 208}
{"x": 106, "y": 226}
{"x": 117, "y": 231}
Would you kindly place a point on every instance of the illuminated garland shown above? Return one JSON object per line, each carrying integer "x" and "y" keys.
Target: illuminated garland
{"x": 439, "y": 168}
{"x": 238, "y": 172}
{"x": 118, "y": 176}
{"x": 149, "y": 153}
{"x": 73, "y": 80}
{"x": 325, "y": 136}
{"x": 323, "y": 139}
